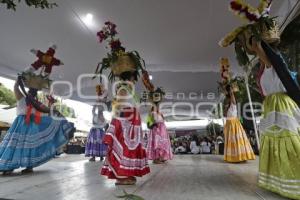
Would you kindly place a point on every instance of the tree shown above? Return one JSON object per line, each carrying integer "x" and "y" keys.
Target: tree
{"x": 7, "y": 96}
{"x": 214, "y": 129}
{"x": 43, "y": 4}
{"x": 66, "y": 111}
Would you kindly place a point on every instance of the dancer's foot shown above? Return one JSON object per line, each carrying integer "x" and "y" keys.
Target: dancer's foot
{"x": 93, "y": 159}
{"x": 27, "y": 171}
{"x": 126, "y": 181}
{"x": 163, "y": 161}
{"x": 157, "y": 162}
{"x": 7, "y": 172}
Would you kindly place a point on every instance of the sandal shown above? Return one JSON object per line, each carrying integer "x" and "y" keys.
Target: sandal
{"x": 126, "y": 181}
{"x": 93, "y": 159}
{"x": 27, "y": 171}
{"x": 157, "y": 162}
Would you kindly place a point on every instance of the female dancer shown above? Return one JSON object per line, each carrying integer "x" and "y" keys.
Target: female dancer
{"x": 33, "y": 138}
{"x": 126, "y": 157}
{"x": 159, "y": 146}
{"x": 237, "y": 146}
{"x": 279, "y": 161}
{"x": 280, "y": 140}
{"x": 95, "y": 146}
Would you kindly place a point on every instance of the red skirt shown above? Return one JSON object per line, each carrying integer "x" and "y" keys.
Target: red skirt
{"x": 126, "y": 154}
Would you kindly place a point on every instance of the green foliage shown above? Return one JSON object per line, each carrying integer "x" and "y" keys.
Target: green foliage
{"x": 242, "y": 97}
{"x": 43, "y": 4}
{"x": 290, "y": 45}
{"x": 127, "y": 196}
{"x": 256, "y": 30}
{"x": 213, "y": 128}
{"x": 7, "y": 96}
{"x": 112, "y": 57}
{"x": 241, "y": 54}
{"x": 66, "y": 111}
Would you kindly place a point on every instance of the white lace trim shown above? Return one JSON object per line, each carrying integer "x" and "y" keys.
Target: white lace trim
{"x": 282, "y": 120}
{"x": 291, "y": 186}
{"x": 125, "y": 161}
{"x": 20, "y": 140}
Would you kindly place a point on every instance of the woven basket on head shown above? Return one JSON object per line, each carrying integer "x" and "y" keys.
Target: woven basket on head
{"x": 36, "y": 81}
{"x": 235, "y": 87}
{"x": 123, "y": 64}
{"x": 271, "y": 36}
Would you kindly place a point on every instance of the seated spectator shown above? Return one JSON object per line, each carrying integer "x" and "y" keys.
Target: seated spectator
{"x": 205, "y": 146}
{"x": 194, "y": 146}
{"x": 180, "y": 149}
{"x": 219, "y": 145}
{"x": 220, "y": 139}
{"x": 186, "y": 145}
{"x": 214, "y": 145}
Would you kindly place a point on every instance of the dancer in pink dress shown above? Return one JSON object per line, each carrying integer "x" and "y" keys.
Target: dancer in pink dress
{"x": 159, "y": 145}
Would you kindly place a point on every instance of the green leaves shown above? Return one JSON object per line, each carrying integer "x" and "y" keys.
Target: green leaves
{"x": 127, "y": 196}
{"x": 43, "y": 4}
{"x": 214, "y": 128}
{"x": 113, "y": 57}
{"x": 7, "y": 96}
{"x": 241, "y": 54}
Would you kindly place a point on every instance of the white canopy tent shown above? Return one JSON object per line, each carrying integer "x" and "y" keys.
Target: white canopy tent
{"x": 178, "y": 40}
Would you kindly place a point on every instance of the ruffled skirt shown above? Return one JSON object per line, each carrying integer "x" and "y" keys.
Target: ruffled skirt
{"x": 237, "y": 146}
{"x": 30, "y": 145}
{"x": 280, "y": 146}
{"x": 159, "y": 145}
{"x": 95, "y": 145}
{"x": 126, "y": 155}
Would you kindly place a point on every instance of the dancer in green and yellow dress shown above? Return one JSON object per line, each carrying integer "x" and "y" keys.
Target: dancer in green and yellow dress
{"x": 279, "y": 163}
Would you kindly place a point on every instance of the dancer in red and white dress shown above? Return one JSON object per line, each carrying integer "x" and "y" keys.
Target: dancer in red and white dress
{"x": 126, "y": 156}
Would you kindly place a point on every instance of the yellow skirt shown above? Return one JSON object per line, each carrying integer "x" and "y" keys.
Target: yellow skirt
{"x": 237, "y": 146}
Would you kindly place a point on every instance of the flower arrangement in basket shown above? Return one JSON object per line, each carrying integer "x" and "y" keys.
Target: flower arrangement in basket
{"x": 37, "y": 75}
{"x": 258, "y": 24}
{"x": 117, "y": 60}
{"x": 226, "y": 77}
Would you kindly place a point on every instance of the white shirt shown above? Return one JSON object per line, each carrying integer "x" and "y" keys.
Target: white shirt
{"x": 232, "y": 111}
{"x": 205, "y": 146}
{"x": 194, "y": 148}
{"x": 98, "y": 118}
{"x": 270, "y": 82}
{"x": 22, "y": 107}
{"x": 219, "y": 139}
{"x": 158, "y": 117}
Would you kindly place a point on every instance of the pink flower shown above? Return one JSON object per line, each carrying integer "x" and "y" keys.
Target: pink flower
{"x": 251, "y": 17}
{"x": 108, "y": 31}
{"x": 107, "y": 23}
{"x": 101, "y": 36}
{"x": 235, "y": 6}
